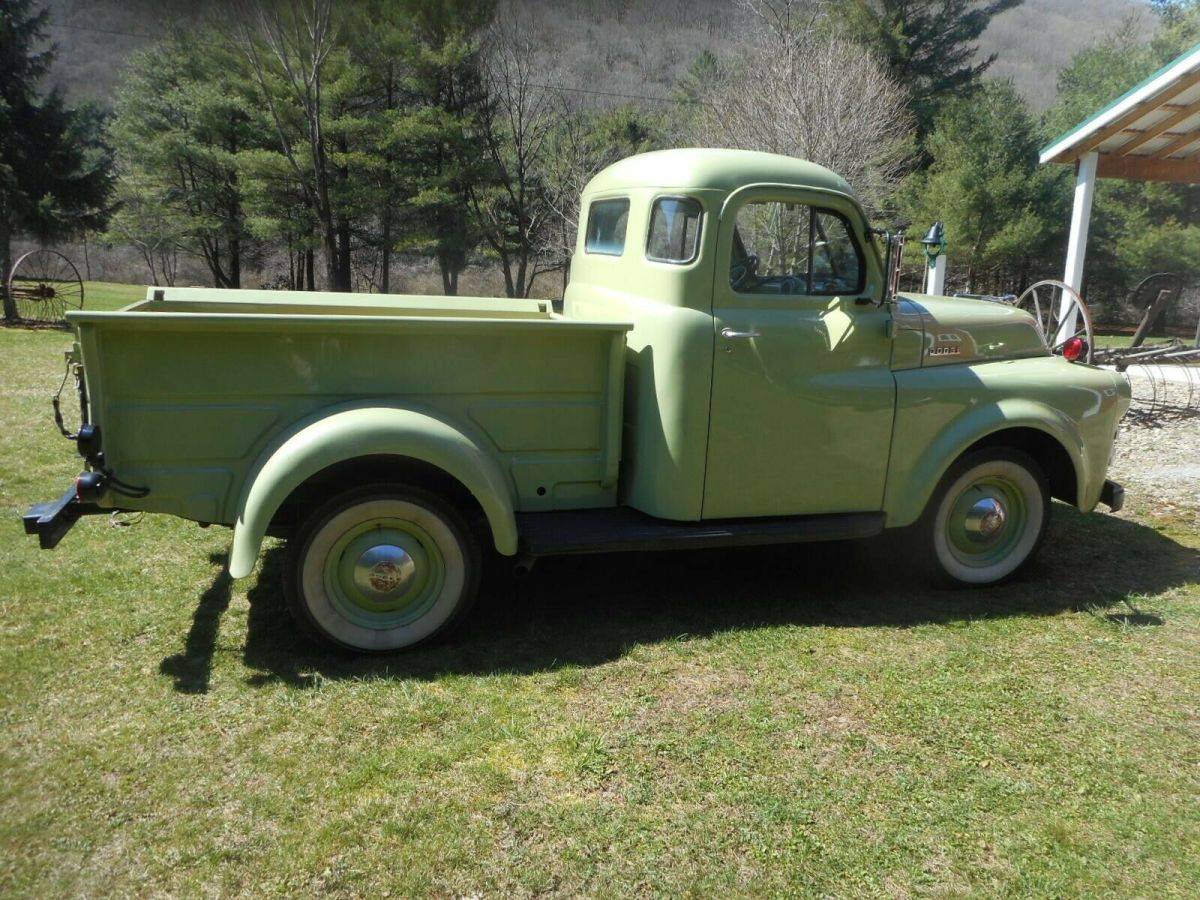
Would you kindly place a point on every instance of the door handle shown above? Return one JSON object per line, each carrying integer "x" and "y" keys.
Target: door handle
{"x": 730, "y": 333}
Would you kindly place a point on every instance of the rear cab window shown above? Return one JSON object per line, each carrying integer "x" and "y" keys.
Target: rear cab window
{"x": 674, "y": 230}
{"x": 606, "y": 224}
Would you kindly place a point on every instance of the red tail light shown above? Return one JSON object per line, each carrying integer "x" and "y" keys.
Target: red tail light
{"x": 1074, "y": 348}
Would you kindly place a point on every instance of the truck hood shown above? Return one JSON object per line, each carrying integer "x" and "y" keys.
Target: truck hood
{"x": 958, "y": 330}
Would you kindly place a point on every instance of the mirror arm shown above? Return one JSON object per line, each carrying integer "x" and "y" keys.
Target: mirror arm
{"x": 893, "y": 258}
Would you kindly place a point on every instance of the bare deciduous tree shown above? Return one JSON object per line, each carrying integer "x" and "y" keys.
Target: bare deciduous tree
{"x": 569, "y": 165}
{"x": 801, "y": 91}
{"x": 142, "y": 220}
{"x": 299, "y": 35}
{"x": 574, "y": 155}
{"x": 784, "y": 22}
{"x": 522, "y": 112}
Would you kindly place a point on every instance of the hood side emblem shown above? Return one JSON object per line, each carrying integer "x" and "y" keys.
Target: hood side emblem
{"x": 947, "y": 344}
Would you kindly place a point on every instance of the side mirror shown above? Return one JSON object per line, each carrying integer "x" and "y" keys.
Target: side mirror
{"x": 893, "y": 259}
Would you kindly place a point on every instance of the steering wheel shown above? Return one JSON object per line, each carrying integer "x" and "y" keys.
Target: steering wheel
{"x": 742, "y": 271}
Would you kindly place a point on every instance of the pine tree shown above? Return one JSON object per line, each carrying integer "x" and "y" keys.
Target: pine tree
{"x": 184, "y": 113}
{"x": 929, "y": 46}
{"x": 55, "y": 171}
{"x": 1002, "y": 212}
{"x": 436, "y": 132}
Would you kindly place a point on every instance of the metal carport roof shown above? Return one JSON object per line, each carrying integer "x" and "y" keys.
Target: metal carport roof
{"x": 1149, "y": 133}
{"x": 1152, "y": 132}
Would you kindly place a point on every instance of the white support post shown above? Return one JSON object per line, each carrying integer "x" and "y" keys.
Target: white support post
{"x": 1081, "y": 217}
{"x": 935, "y": 276}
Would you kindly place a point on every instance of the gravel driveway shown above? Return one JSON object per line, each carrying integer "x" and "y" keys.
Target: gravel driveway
{"x": 1158, "y": 451}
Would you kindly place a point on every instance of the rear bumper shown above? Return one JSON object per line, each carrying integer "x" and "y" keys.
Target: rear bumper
{"x": 1112, "y": 495}
{"x": 51, "y": 520}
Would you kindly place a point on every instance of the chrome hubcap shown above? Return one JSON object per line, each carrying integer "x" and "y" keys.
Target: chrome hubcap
{"x": 384, "y": 572}
{"x": 985, "y": 520}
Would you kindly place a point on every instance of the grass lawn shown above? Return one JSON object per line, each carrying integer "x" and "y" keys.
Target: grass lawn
{"x": 756, "y": 722}
{"x": 105, "y": 295}
{"x": 1114, "y": 340}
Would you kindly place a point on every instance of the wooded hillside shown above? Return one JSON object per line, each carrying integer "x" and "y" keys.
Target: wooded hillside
{"x": 325, "y": 145}
{"x": 636, "y": 46}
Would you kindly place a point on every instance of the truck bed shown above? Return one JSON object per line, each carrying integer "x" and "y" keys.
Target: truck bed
{"x": 190, "y": 386}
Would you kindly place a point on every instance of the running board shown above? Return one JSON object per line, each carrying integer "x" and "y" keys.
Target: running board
{"x": 622, "y": 529}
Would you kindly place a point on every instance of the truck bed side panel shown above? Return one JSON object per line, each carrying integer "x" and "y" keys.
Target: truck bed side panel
{"x": 187, "y": 402}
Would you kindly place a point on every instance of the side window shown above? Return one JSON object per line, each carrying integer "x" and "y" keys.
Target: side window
{"x": 789, "y": 248}
{"x": 674, "y": 230}
{"x": 836, "y": 261}
{"x": 606, "y": 227}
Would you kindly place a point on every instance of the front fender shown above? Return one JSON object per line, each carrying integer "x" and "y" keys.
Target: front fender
{"x": 360, "y": 430}
{"x": 916, "y": 470}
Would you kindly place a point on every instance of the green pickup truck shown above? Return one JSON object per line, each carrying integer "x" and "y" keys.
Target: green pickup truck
{"x": 730, "y": 368}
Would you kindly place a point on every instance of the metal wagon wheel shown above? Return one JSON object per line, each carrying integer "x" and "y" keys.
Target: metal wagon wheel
{"x": 44, "y": 284}
{"x": 1063, "y": 320}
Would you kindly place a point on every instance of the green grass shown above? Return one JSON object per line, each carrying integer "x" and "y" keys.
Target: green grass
{"x": 1113, "y": 340}
{"x": 758, "y": 722}
{"x": 102, "y": 295}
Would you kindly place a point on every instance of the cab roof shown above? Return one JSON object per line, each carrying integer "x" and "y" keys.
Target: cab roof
{"x": 725, "y": 170}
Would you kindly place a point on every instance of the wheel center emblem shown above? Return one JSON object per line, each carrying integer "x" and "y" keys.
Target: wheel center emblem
{"x": 386, "y": 576}
{"x": 985, "y": 520}
{"x": 384, "y": 571}
{"x": 991, "y": 523}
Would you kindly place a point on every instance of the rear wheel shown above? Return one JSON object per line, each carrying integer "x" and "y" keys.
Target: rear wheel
{"x": 381, "y": 568}
{"x": 987, "y": 517}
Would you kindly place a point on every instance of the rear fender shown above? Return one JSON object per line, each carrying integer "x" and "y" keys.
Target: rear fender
{"x": 351, "y": 432}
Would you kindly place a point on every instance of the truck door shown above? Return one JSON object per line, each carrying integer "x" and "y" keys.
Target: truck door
{"x": 803, "y": 395}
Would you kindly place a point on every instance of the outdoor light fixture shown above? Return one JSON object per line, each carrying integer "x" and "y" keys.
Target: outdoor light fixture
{"x": 934, "y": 242}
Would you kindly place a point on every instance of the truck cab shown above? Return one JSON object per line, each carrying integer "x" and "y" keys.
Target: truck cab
{"x": 758, "y": 378}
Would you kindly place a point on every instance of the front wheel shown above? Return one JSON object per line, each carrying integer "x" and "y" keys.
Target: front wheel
{"x": 381, "y": 568}
{"x": 987, "y": 517}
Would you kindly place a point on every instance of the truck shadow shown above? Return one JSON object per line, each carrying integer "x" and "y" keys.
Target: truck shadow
{"x": 588, "y": 610}
{"x": 191, "y": 668}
